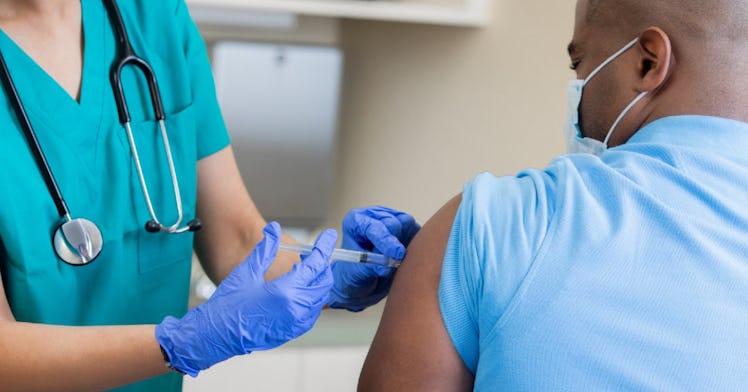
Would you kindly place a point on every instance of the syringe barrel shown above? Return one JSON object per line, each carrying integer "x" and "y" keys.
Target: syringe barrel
{"x": 346, "y": 255}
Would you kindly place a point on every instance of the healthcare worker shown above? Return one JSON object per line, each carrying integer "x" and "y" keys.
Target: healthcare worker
{"x": 116, "y": 165}
{"x": 621, "y": 266}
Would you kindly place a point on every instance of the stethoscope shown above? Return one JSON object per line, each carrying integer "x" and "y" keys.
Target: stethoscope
{"x": 79, "y": 241}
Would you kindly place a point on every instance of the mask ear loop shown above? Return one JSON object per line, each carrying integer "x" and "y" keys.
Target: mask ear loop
{"x": 623, "y": 113}
{"x": 610, "y": 59}
{"x": 634, "y": 102}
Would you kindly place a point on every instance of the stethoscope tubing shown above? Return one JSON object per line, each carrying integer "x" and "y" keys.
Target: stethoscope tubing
{"x": 144, "y": 185}
{"x": 28, "y": 130}
{"x": 127, "y": 57}
{"x": 78, "y": 241}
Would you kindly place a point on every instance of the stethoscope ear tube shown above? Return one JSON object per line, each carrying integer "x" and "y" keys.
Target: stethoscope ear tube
{"x": 128, "y": 57}
{"x": 119, "y": 93}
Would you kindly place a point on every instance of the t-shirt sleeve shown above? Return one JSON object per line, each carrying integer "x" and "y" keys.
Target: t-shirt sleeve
{"x": 212, "y": 135}
{"x": 499, "y": 226}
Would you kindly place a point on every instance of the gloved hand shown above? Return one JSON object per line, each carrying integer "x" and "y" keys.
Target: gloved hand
{"x": 246, "y": 313}
{"x": 377, "y": 229}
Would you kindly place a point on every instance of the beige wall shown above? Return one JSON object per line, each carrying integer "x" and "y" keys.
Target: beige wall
{"x": 427, "y": 108}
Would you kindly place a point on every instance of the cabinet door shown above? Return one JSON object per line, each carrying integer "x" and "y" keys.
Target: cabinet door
{"x": 280, "y": 104}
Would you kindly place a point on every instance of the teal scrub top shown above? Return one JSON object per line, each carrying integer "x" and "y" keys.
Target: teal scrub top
{"x": 140, "y": 277}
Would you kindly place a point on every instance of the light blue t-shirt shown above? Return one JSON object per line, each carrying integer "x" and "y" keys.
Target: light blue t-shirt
{"x": 140, "y": 277}
{"x": 625, "y": 272}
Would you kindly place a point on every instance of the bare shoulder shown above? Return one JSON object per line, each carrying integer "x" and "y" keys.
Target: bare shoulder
{"x": 412, "y": 350}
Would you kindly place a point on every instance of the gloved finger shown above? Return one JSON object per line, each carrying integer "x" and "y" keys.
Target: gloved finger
{"x": 380, "y": 212}
{"x": 317, "y": 263}
{"x": 313, "y": 265}
{"x": 409, "y": 227}
{"x": 264, "y": 253}
{"x": 400, "y": 224}
{"x": 353, "y": 230}
{"x": 383, "y": 239}
{"x": 384, "y": 213}
{"x": 325, "y": 243}
{"x": 359, "y": 218}
{"x": 357, "y": 228}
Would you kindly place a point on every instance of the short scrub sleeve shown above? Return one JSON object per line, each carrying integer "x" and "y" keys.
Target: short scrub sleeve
{"x": 212, "y": 135}
{"x": 499, "y": 226}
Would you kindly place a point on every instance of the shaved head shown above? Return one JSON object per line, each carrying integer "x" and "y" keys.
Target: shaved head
{"x": 709, "y": 37}
{"x": 705, "y": 21}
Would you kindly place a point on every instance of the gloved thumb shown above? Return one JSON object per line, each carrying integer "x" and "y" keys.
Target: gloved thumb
{"x": 264, "y": 253}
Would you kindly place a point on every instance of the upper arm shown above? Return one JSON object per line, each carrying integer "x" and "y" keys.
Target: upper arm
{"x": 412, "y": 349}
{"x": 231, "y": 222}
{"x": 232, "y": 225}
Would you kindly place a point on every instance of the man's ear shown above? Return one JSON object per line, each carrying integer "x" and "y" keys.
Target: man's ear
{"x": 656, "y": 59}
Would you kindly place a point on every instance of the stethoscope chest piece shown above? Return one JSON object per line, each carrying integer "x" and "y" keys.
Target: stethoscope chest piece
{"x": 78, "y": 241}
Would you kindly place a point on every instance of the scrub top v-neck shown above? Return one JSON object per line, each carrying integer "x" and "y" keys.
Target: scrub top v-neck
{"x": 140, "y": 277}
{"x": 46, "y": 102}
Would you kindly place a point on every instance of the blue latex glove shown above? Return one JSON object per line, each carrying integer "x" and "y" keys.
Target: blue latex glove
{"x": 246, "y": 313}
{"x": 377, "y": 229}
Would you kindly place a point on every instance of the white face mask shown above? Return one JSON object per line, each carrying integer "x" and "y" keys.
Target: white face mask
{"x": 575, "y": 143}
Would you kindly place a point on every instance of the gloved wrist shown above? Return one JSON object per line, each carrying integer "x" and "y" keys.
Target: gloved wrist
{"x": 246, "y": 313}
{"x": 167, "y": 361}
{"x": 179, "y": 339}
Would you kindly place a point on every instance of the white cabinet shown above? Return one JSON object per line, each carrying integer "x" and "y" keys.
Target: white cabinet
{"x": 280, "y": 103}
{"x": 473, "y": 13}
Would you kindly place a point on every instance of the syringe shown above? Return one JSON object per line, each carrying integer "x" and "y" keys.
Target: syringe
{"x": 346, "y": 255}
